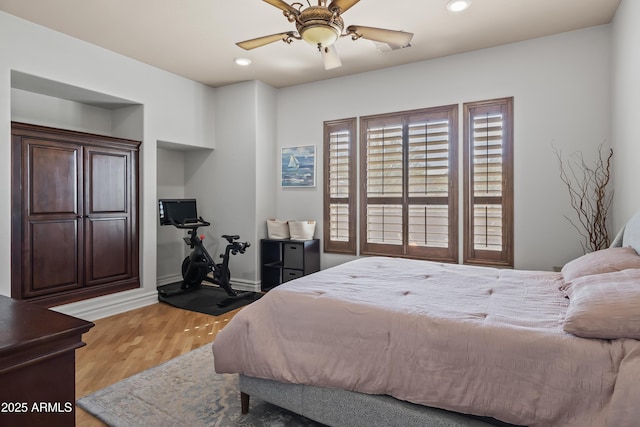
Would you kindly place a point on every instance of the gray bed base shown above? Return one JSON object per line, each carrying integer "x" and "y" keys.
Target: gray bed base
{"x": 338, "y": 408}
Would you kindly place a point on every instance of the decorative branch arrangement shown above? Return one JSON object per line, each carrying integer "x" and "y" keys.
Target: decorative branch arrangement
{"x": 588, "y": 196}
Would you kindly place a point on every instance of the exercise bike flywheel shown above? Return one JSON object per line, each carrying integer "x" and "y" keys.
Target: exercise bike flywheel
{"x": 196, "y": 275}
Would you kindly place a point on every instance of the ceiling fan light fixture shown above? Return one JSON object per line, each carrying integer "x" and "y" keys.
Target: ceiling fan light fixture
{"x": 458, "y": 5}
{"x": 319, "y": 35}
{"x": 318, "y": 26}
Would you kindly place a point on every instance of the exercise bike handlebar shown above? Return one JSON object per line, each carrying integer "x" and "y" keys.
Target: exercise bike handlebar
{"x": 190, "y": 223}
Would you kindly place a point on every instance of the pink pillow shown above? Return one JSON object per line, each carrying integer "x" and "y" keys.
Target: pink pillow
{"x": 605, "y": 306}
{"x": 598, "y": 262}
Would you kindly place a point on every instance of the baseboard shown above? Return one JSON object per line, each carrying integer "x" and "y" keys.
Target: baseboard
{"x": 109, "y": 305}
{"x": 165, "y": 280}
{"x": 238, "y": 284}
{"x": 245, "y": 285}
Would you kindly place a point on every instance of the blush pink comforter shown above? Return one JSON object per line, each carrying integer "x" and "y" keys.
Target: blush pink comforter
{"x": 474, "y": 340}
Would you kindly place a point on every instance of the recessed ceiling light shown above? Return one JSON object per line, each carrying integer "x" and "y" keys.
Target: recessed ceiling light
{"x": 242, "y": 61}
{"x": 458, "y": 5}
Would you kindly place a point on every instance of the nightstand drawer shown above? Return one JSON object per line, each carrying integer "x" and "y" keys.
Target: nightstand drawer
{"x": 288, "y": 274}
{"x": 293, "y": 256}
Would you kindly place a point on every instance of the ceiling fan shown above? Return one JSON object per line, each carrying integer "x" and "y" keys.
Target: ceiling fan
{"x": 322, "y": 25}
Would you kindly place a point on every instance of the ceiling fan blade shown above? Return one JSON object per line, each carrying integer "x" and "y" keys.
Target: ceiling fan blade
{"x": 330, "y": 57}
{"x": 392, "y": 37}
{"x": 284, "y": 6}
{"x": 343, "y": 5}
{"x": 264, "y": 40}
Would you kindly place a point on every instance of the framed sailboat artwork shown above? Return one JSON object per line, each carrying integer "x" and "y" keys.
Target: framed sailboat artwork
{"x": 299, "y": 166}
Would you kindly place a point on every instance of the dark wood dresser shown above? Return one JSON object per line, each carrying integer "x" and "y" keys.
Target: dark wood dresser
{"x": 37, "y": 364}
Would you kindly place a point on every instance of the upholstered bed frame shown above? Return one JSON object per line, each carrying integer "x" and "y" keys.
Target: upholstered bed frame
{"x": 629, "y": 235}
{"x": 338, "y": 408}
{"x": 351, "y": 409}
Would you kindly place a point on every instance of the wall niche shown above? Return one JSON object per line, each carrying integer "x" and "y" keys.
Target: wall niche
{"x": 75, "y": 191}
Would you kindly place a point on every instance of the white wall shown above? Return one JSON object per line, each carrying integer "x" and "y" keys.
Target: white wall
{"x": 35, "y": 108}
{"x": 626, "y": 111}
{"x": 235, "y": 182}
{"x": 561, "y": 90}
{"x": 266, "y": 165}
{"x": 174, "y": 109}
{"x": 171, "y": 247}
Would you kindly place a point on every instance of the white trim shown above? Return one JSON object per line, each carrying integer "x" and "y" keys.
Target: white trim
{"x": 238, "y": 284}
{"x": 165, "y": 280}
{"x": 245, "y": 285}
{"x": 97, "y": 308}
{"x": 109, "y": 305}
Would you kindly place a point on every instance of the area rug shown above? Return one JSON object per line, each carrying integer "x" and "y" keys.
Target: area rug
{"x": 205, "y": 299}
{"x": 184, "y": 391}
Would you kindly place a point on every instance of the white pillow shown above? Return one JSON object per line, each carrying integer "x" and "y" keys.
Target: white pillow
{"x": 605, "y": 306}
{"x": 598, "y": 262}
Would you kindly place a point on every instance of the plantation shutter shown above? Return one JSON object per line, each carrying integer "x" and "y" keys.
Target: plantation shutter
{"x": 383, "y": 184}
{"x": 489, "y": 182}
{"x": 429, "y": 142}
{"x": 340, "y": 187}
{"x": 409, "y": 170}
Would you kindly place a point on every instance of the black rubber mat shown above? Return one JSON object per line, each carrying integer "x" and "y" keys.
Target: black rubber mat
{"x": 206, "y": 299}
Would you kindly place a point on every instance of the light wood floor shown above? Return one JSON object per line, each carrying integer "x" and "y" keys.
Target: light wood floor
{"x": 125, "y": 344}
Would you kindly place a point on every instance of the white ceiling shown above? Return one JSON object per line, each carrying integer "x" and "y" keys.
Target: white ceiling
{"x": 196, "y": 38}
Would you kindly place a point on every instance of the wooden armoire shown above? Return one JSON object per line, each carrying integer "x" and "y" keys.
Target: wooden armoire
{"x": 74, "y": 215}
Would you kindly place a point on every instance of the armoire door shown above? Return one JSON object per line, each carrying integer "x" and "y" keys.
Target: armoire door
{"x": 108, "y": 215}
{"x": 52, "y": 220}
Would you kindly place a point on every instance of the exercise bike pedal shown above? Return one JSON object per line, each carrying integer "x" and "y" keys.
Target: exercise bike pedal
{"x": 239, "y": 295}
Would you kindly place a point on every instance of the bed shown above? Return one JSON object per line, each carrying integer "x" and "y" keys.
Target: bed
{"x": 424, "y": 343}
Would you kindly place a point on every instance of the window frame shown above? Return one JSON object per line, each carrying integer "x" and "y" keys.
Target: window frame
{"x": 471, "y": 255}
{"x": 332, "y": 246}
{"x": 448, "y": 254}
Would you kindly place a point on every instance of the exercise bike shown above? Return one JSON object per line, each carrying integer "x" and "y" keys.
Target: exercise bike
{"x": 182, "y": 214}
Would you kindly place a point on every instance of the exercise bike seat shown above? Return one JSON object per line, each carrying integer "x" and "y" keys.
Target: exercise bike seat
{"x": 230, "y": 238}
